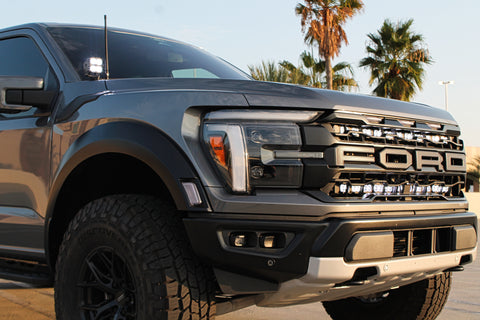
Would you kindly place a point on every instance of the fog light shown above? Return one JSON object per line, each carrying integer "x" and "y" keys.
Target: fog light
{"x": 240, "y": 240}
{"x": 268, "y": 241}
{"x": 272, "y": 240}
{"x": 243, "y": 239}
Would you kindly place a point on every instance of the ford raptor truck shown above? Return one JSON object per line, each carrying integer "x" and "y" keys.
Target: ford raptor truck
{"x": 148, "y": 179}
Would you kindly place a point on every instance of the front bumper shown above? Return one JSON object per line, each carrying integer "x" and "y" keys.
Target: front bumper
{"x": 329, "y": 278}
{"x": 313, "y": 260}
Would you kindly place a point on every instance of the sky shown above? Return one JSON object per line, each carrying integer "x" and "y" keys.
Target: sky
{"x": 248, "y": 32}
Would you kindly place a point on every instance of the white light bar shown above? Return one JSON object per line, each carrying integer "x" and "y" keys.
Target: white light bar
{"x": 388, "y": 190}
{"x": 390, "y": 134}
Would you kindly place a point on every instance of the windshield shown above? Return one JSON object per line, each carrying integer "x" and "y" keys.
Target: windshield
{"x": 133, "y": 55}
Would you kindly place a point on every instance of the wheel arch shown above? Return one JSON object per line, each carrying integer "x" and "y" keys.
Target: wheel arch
{"x": 151, "y": 158}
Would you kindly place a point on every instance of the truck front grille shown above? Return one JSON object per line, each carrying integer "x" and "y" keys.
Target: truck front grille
{"x": 378, "y": 158}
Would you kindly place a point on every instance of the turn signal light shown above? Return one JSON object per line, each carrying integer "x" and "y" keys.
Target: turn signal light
{"x": 218, "y": 148}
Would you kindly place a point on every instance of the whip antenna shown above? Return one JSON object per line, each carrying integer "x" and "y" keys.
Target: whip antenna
{"x": 107, "y": 68}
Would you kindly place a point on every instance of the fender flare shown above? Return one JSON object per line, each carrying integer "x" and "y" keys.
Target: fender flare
{"x": 141, "y": 141}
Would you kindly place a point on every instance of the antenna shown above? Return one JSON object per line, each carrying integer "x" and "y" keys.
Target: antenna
{"x": 107, "y": 68}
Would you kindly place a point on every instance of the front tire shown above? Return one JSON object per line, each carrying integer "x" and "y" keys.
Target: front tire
{"x": 421, "y": 300}
{"x": 128, "y": 257}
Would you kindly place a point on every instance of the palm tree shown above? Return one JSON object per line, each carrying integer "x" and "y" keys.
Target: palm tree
{"x": 310, "y": 72}
{"x": 268, "y": 71}
{"x": 396, "y": 58}
{"x": 343, "y": 77}
{"x": 315, "y": 70}
{"x": 296, "y": 75}
{"x": 322, "y": 22}
{"x": 474, "y": 170}
{"x": 473, "y": 173}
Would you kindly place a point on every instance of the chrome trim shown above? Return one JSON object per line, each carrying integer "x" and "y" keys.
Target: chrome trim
{"x": 238, "y": 154}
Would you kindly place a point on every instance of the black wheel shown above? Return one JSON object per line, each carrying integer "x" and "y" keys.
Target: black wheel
{"x": 420, "y": 300}
{"x": 128, "y": 257}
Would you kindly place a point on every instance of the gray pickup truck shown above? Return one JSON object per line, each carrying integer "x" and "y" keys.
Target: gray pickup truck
{"x": 148, "y": 179}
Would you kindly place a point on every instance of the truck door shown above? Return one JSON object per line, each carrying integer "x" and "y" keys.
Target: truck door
{"x": 25, "y": 142}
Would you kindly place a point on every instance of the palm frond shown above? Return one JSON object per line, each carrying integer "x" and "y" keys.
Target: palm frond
{"x": 396, "y": 57}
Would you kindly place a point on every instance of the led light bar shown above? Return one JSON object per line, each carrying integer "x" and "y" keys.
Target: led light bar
{"x": 390, "y": 134}
{"x": 384, "y": 189}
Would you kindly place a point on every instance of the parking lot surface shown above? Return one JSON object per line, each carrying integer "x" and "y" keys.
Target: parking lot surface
{"x": 22, "y": 301}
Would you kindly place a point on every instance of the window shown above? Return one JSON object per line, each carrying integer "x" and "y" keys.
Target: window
{"x": 135, "y": 55}
{"x": 21, "y": 57}
{"x": 193, "y": 73}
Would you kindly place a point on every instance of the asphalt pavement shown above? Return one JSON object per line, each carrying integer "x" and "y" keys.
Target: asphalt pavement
{"x": 22, "y": 301}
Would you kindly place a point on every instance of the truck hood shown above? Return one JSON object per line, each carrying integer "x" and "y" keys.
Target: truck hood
{"x": 279, "y": 95}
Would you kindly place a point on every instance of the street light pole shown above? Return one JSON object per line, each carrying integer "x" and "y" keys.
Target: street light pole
{"x": 446, "y": 83}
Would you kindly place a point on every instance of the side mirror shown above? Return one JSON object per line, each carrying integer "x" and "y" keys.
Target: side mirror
{"x": 18, "y": 93}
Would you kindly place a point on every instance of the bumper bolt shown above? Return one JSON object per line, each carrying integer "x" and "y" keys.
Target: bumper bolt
{"x": 270, "y": 262}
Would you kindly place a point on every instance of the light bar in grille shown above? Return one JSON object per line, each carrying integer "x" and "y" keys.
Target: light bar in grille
{"x": 382, "y": 189}
{"x": 409, "y": 136}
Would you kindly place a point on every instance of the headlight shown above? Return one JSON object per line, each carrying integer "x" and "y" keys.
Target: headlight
{"x": 256, "y": 148}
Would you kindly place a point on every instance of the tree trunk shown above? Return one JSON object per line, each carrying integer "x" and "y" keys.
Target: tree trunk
{"x": 329, "y": 72}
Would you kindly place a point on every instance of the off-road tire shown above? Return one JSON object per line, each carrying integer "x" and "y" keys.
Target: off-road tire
{"x": 138, "y": 241}
{"x": 421, "y": 300}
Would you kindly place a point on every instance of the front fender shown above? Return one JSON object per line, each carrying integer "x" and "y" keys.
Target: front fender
{"x": 136, "y": 139}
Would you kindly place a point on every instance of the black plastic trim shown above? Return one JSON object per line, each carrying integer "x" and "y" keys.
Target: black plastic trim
{"x": 334, "y": 240}
{"x": 326, "y": 238}
{"x": 278, "y": 266}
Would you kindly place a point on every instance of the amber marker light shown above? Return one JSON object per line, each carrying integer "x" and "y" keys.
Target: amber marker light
{"x": 218, "y": 147}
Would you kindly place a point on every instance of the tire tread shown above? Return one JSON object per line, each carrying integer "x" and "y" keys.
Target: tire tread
{"x": 155, "y": 231}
